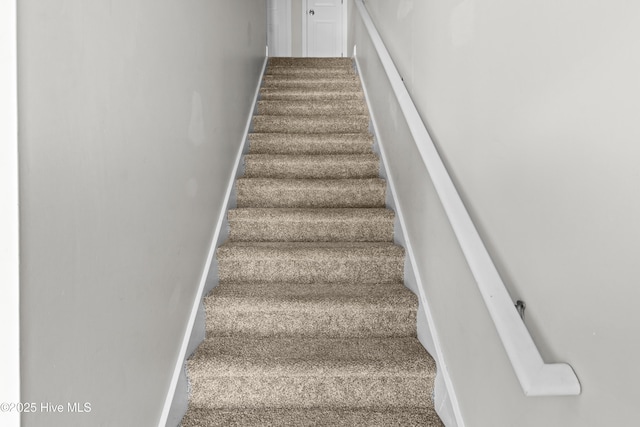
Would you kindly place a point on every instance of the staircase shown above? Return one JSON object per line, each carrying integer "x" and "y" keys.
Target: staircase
{"x": 311, "y": 324}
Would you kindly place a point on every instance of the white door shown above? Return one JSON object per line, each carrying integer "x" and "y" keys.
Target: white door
{"x": 324, "y": 28}
{"x": 279, "y": 27}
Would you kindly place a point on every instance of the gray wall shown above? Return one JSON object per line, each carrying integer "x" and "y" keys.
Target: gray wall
{"x": 9, "y": 217}
{"x": 534, "y": 108}
{"x": 131, "y": 114}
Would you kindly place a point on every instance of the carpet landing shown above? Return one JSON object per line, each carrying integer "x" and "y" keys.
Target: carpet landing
{"x": 311, "y": 324}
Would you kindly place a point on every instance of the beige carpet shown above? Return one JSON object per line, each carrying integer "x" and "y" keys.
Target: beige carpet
{"x": 311, "y": 324}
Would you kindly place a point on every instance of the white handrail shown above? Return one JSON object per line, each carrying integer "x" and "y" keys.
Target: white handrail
{"x": 536, "y": 377}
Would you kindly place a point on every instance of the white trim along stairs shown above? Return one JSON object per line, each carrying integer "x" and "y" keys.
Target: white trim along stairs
{"x": 175, "y": 405}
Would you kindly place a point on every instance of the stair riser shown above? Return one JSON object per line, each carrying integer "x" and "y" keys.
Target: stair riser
{"x": 288, "y": 82}
{"x": 311, "y": 62}
{"x": 256, "y": 167}
{"x": 310, "y": 72}
{"x": 316, "y": 392}
{"x": 290, "y": 108}
{"x": 309, "y": 270}
{"x": 309, "y": 417}
{"x": 259, "y": 193}
{"x": 279, "y": 124}
{"x": 305, "y": 95}
{"x": 347, "y": 321}
{"x": 283, "y": 84}
{"x": 315, "y": 79}
{"x": 284, "y": 143}
{"x": 311, "y": 231}
{"x": 247, "y": 356}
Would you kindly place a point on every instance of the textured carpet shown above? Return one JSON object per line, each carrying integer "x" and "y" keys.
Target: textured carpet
{"x": 311, "y": 324}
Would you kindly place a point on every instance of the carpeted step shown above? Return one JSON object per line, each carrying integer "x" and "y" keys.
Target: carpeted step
{"x": 343, "y": 82}
{"x": 310, "y": 62}
{"x": 311, "y": 225}
{"x": 311, "y": 373}
{"x": 299, "y": 143}
{"x": 309, "y": 262}
{"x": 310, "y": 193}
{"x": 309, "y": 72}
{"x": 332, "y": 166}
{"x": 311, "y": 417}
{"x": 328, "y": 75}
{"x": 306, "y": 108}
{"x": 332, "y": 78}
{"x": 308, "y": 95}
{"x": 310, "y": 124}
{"x": 335, "y": 310}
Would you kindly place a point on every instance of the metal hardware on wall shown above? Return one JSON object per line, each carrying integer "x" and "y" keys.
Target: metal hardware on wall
{"x": 521, "y": 306}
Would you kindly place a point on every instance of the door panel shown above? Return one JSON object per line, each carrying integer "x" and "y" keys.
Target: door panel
{"x": 324, "y": 28}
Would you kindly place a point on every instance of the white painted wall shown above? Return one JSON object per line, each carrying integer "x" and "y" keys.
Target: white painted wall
{"x": 9, "y": 221}
{"x": 131, "y": 115}
{"x": 534, "y": 108}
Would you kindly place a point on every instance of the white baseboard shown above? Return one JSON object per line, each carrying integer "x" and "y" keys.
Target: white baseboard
{"x": 444, "y": 397}
{"x": 174, "y": 406}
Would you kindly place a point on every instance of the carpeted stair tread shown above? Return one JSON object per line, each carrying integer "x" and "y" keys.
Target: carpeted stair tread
{"x": 301, "y": 143}
{"x": 291, "y": 224}
{"x": 267, "y": 93}
{"x": 311, "y": 356}
{"x": 311, "y": 166}
{"x": 359, "y": 247}
{"x": 310, "y": 62}
{"x": 385, "y": 295}
{"x": 313, "y": 417}
{"x": 356, "y": 310}
{"x": 309, "y": 262}
{"x": 311, "y": 124}
{"x": 306, "y": 108}
{"x": 315, "y": 79}
{"x": 341, "y": 82}
{"x": 309, "y": 72}
{"x": 315, "y": 373}
{"x": 310, "y": 193}
{"x": 314, "y": 391}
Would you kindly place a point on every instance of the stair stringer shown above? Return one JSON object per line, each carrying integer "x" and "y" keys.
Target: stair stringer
{"x": 177, "y": 401}
{"x": 444, "y": 398}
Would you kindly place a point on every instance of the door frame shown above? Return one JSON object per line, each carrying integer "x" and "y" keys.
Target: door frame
{"x": 345, "y": 26}
{"x": 287, "y": 9}
{"x": 9, "y": 216}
